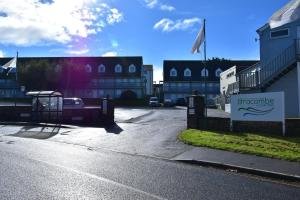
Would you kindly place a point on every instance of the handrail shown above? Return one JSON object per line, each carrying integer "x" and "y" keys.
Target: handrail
{"x": 257, "y": 75}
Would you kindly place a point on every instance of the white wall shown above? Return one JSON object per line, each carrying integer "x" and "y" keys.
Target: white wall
{"x": 225, "y": 81}
{"x": 289, "y": 85}
{"x": 148, "y": 76}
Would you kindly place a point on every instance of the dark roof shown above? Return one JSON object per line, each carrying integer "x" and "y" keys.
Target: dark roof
{"x": 81, "y": 62}
{"x": 197, "y": 66}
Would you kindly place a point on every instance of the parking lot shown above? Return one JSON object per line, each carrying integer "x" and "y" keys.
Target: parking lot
{"x": 143, "y": 131}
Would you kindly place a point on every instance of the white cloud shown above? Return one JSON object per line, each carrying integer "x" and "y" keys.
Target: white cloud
{"x": 114, "y": 16}
{"x": 155, "y": 3}
{"x": 30, "y": 22}
{"x": 1, "y": 54}
{"x": 151, "y": 3}
{"x": 77, "y": 52}
{"x": 167, "y": 7}
{"x": 168, "y": 25}
{"x": 114, "y": 43}
{"x": 110, "y": 54}
{"x": 157, "y": 74}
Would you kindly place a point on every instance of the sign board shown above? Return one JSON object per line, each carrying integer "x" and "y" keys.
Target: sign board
{"x": 191, "y": 102}
{"x": 227, "y": 108}
{"x": 191, "y": 111}
{"x": 258, "y": 107}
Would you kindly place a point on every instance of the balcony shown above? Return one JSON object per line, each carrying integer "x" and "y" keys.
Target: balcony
{"x": 189, "y": 90}
{"x": 112, "y": 85}
{"x": 260, "y": 76}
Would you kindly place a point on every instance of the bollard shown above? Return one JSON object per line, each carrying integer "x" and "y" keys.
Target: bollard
{"x": 107, "y": 111}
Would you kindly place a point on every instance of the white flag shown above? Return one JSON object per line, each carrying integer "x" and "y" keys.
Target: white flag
{"x": 289, "y": 13}
{"x": 199, "y": 40}
{"x": 11, "y": 64}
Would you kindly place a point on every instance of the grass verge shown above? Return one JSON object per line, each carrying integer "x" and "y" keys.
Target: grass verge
{"x": 257, "y": 144}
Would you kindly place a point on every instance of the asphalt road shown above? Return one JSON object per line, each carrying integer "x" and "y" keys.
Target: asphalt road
{"x": 151, "y": 132}
{"x": 41, "y": 169}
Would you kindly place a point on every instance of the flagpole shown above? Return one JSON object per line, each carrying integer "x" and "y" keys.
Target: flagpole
{"x": 15, "y": 92}
{"x": 17, "y": 66}
{"x": 205, "y": 74}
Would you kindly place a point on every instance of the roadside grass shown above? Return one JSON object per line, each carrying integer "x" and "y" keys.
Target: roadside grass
{"x": 284, "y": 148}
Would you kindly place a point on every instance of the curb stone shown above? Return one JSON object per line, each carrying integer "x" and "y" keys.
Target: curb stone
{"x": 253, "y": 171}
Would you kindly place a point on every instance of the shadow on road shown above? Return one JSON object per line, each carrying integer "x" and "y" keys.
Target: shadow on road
{"x": 114, "y": 128}
{"x": 45, "y": 132}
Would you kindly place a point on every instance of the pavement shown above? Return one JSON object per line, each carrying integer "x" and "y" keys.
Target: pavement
{"x": 252, "y": 164}
{"x": 153, "y": 133}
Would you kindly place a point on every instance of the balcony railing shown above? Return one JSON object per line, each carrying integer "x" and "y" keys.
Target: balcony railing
{"x": 117, "y": 85}
{"x": 189, "y": 90}
{"x": 259, "y": 74}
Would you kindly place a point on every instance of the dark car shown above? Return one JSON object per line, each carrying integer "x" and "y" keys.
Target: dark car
{"x": 71, "y": 103}
{"x": 181, "y": 102}
{"x": 169, "y": 103}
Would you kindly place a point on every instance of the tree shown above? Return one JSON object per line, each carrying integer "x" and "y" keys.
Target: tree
{"x": 38, "y": 74}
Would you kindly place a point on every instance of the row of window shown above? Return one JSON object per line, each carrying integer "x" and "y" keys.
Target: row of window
{"x": 96, "y": 93}
{"x": 102, "y": 68}
{"x": 188, "y": 72}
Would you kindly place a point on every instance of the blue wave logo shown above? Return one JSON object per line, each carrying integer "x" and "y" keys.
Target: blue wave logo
{"x": 254, "y": 111}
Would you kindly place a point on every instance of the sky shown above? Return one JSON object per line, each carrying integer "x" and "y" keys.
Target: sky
{"x": 157, "y": 30}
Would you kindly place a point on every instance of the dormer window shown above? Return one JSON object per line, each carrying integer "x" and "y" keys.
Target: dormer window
{"x": 88, "y": 68}
{"x": 218, "y": 72}
{"x": 173, "y": 72}
{"x": 204, "y": 72}
{"x": 187, "y": 72}
{"x": 101, "y": 68}
{"x": 118, "y": 68}
{"x": 132, "y": 68}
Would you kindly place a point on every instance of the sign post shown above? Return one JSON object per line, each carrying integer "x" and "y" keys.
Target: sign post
{"x": 267, "y": 107}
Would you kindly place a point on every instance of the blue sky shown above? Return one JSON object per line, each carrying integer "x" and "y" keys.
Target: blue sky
{"x": 155, "y": 29}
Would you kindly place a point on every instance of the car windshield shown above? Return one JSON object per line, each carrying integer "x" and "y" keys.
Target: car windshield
{"x": 153, "y": 99}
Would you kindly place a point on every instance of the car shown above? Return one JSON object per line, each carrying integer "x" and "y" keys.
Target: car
{"x": 169, "y": 103}
{"x": 71, "y": 103}
{"x": 181, "y": 102}
{"x": 153, "y": 102}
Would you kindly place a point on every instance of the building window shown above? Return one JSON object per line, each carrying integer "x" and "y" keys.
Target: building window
{"x": 173, "y": 72}
{"x": 118, "y": 68}
{"x": 101, "y": 68}
{"x": 132, "y": 69}
{"x": 279, "y": 33}
{"x": 88, "y": 68}
{"x": 204, "y": 72}
{"x": 230, "y": 74}
{"x": 187, "y": 72}
{"x": 218, "y": 72}
{"x": 57, "y": 68}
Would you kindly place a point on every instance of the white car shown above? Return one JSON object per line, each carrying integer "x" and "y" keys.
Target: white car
{"x": 153, "y": 102}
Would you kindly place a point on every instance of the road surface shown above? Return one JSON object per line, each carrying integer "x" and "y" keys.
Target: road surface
{"x": 42, "y": 169}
